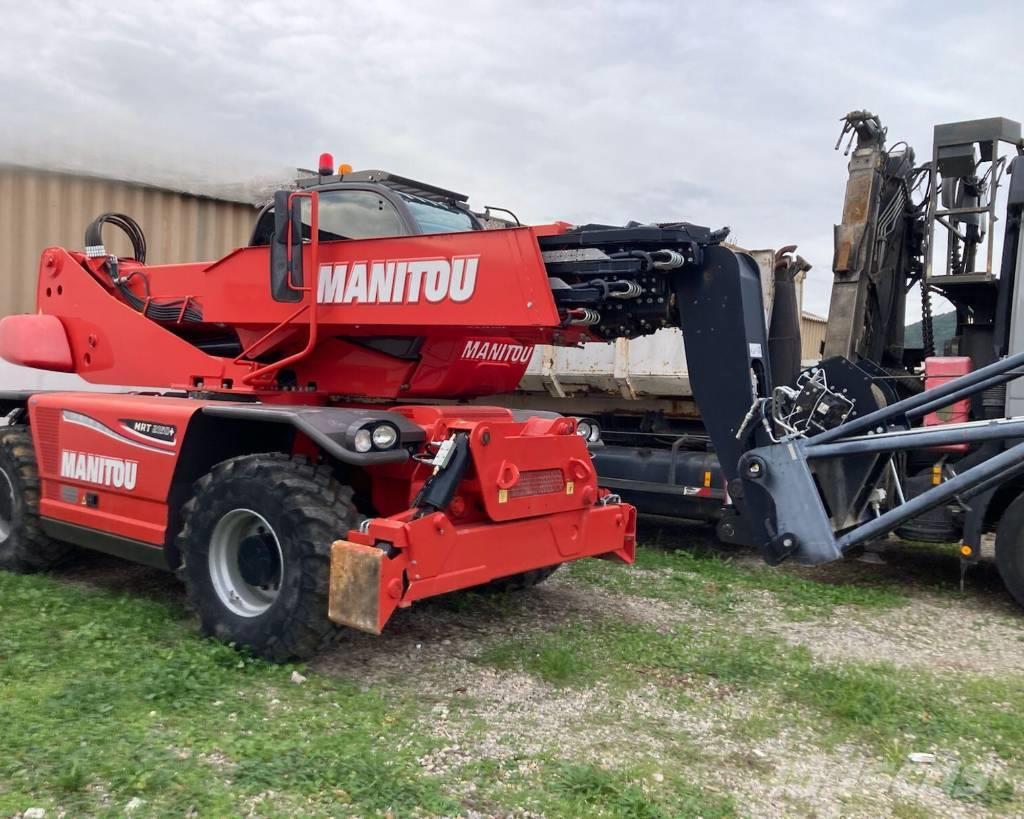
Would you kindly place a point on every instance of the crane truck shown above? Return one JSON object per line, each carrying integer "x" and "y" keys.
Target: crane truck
{"x": 901, "y": 219}
{"x": 281, "y": 454}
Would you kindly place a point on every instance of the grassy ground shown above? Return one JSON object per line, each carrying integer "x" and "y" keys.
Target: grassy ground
{"x": 107, "y": 697}
{"x": 698, "y": 683}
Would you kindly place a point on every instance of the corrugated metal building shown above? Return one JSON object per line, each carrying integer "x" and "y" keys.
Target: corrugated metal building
{"x": 812, "y": 337}
{"x": 40, "y": 209}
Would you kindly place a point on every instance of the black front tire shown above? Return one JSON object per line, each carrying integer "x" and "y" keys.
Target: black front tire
{"x": 1010, "y": 549}
{"x": 23, "y": 545}
{"x": 272, "y": 596}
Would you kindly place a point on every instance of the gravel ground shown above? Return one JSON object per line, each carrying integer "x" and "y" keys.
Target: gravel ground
{"x": 929, "y": 632}
{"x": 480, "y": 712}
{"x": 477, "y": 712}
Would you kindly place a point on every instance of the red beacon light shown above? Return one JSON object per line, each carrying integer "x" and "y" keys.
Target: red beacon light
{"x": 326, "y": 165}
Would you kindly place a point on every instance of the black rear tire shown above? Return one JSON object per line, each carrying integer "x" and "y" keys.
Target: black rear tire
{"x": 523, "y": 580}
{"x": 23, "y": 545}
{"x": 1010, "y": 549}
{"x": 255, "y": 549}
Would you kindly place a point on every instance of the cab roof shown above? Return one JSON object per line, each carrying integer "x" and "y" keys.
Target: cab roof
{"x": 402, "y": 184}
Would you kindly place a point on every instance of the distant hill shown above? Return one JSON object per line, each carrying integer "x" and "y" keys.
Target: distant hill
{"x": 944, "y": 326}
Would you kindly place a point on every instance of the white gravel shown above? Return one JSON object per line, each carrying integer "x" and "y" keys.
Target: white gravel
{"x": 477, "y": 712}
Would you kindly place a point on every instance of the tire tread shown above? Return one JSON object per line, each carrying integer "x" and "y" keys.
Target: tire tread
{"x": 310, "y": 499}
{"x": 28, "y": 548}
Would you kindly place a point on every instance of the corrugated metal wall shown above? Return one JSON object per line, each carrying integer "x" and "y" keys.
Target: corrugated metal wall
{"x": 812, "y": 336}
{"x": 40, "y": 209}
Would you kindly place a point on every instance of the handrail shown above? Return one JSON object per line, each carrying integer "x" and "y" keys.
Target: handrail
{"x": 309, "y": 303}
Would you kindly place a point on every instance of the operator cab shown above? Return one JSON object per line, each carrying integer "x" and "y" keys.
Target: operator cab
{"x": 373, "y": 204}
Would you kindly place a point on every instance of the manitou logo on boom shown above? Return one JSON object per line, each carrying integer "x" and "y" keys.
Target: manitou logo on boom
{"x": 98, "y": 469}
{"x": 496, "y": 351}
{"x": 407, "y": 281}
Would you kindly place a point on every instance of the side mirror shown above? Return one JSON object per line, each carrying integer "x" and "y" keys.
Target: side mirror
{"x": 285, "y": 250}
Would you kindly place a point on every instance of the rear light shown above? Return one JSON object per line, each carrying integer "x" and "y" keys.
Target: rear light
{"x": 537, "y": 482}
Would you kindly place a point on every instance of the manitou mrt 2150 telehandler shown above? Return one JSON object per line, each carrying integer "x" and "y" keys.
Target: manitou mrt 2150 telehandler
{"x": 271, "y": 466}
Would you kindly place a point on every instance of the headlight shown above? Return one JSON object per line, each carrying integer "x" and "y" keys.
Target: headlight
{"x": 588, "y": 430}
{"x": 363, "y": 440}
{"x": 384, "y": 436}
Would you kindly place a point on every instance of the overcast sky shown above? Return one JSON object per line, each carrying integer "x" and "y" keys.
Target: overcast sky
{"x": 720, "y": 114}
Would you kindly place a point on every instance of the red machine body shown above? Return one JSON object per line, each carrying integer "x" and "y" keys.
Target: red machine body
{"x": 409, "y": 318}
{"x": 476, "y": 302}
{"x": 531, "y": 498}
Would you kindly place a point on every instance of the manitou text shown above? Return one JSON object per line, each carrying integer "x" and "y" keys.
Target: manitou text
{"x": 406, "y": 281}
{"x": 98, "y": 469}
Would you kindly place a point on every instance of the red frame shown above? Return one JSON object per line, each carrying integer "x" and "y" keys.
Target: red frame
{"x": 511, "y": 304}
{"x": 482, "y": 536}
{"x": 478, "y": 302}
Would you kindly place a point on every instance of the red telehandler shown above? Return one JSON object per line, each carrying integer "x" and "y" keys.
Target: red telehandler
{"x": 273, "y": 453}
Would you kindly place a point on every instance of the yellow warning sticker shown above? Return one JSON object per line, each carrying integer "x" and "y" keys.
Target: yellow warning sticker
{"x": 502, "y": 496}
{"x": 570, "y": 487}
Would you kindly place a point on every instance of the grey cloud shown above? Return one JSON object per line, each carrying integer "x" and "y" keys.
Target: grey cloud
{"x": 607, "y": 111}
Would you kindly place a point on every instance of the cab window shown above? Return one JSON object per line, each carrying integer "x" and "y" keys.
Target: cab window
{"x": 435, "y": 217}
{"x": 355, "y": 215}
{"x": 345, "y": 214}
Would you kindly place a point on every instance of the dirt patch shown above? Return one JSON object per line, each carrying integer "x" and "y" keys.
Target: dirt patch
{"x": 805, "y": 781}
{"x": 112, "y": 574}
{"x": 478, "y": 713}
{"x": 942, "y": 635}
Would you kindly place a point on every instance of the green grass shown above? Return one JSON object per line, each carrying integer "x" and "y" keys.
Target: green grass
{"x": 972, "y": 785}
{"x": 587, "y": 790}
{"x": 573, "y": 789}
{"x": 904, "y": 809}
{"x": 706, "y": 579}
{"x": 104, "y": 698}
{"x": 874, "y": 703}
{"x": 548, "y": 656}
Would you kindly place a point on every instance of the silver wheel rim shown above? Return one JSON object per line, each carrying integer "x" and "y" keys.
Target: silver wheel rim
{"x": 237, "y": 594}
{"x": 6, "y": 505}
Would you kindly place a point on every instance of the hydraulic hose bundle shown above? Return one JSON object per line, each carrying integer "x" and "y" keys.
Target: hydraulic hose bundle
{"x": 172, "y": 310}
{"x": 617, "y": 280}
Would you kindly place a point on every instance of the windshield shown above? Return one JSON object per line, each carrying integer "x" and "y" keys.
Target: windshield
{"x": 434, "y": 217}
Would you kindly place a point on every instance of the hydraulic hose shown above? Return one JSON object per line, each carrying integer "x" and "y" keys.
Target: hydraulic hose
{"x": 94, "y": 234}
{"x": 165, "y": 311}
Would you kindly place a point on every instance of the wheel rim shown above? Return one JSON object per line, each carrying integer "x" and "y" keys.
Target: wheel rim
{"x": 6, "y": 505}
{"x": 246, "y": 562}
